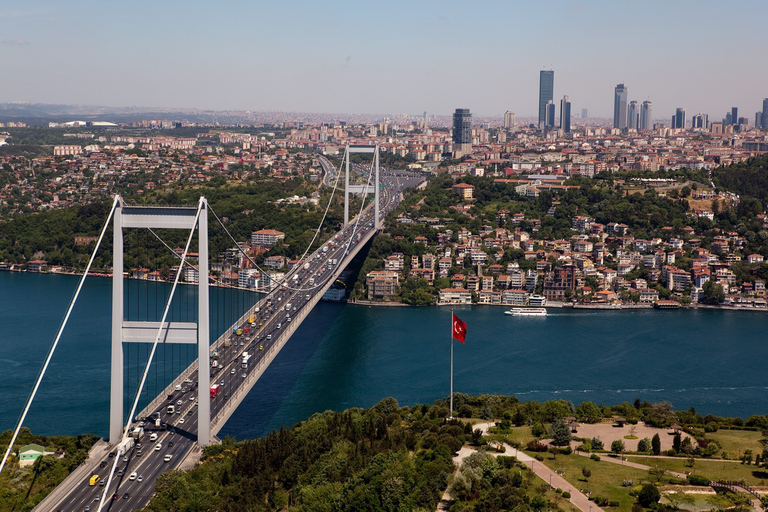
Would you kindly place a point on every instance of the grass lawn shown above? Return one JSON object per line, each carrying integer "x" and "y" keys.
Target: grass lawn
{"x": 605, "y": 480}
{"x": 712, "y": 469}
{"x": 735, "y": 442}
{"x": 520, "y": 434}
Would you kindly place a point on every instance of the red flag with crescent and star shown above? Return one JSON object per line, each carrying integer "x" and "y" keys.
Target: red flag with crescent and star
{"x": 459, "y": 329}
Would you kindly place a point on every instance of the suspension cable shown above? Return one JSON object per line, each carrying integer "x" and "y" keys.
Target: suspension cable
{"x": 58, "y": 335}
{"x": 160, "y": 329}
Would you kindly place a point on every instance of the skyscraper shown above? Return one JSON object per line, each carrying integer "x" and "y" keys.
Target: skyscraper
{"x": 764, "y": 115}
{"x": 620, "y": 107}
{"x": 700, "y": 121}
{"x": 509, "y": 120}
{"x": 584, "y": 113}
{"x": 546, "y": 93}
{"x": 462, "y": 131}
{"x": 565, "y": 115}
{"x": 633, "y": 115}
{"x": 734, "y": 115}
{"x": 549, "y": 115}
{"x": 646, "y": 116}
{"x": 679, "y": 118}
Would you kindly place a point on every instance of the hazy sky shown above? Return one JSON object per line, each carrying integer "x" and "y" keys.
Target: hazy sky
{"x": 388, "y": 56}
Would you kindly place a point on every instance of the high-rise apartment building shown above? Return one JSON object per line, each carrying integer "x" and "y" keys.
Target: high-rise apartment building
{"x": 620, "y": 107}
{"x": 549, "y": 115}
{"x": 546, "y": 93}
{"x": 678, "y": 120}
{"x": 565, "y": 115}
{"x": 646, "y": 116}
{"x": 509, "y": 120}
{"x": 584, "y": 113}
{"x": 462, "y": 131}
{"x": 633, "y": 115}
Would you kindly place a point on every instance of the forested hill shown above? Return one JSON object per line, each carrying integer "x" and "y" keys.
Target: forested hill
{"x": 748, "y": 178}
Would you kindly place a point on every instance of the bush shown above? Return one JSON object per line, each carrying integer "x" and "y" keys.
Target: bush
{"x": 597, "y": 444}
{"x": 566, "y": 451}
{"x": 558, "y": 491}
{"x": 671, "y": 452}
{"x": 535, "y": 446}
{"x": 538, "y": 457}
{"x": 566, "y": 495}
{"x": 595, "y": 457}
{"x": 613, "y": 503}
{"x": 648, "y": 495}
{"x": 710, "y": 427}
{"x": 698, "y": 480}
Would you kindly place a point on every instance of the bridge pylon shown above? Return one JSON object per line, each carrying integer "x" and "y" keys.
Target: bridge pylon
{"x": 123, "y": 331}
{"x": 362, "y": 149}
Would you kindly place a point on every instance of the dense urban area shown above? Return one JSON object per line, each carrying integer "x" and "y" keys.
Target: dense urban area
{"x": 511, "y": 214}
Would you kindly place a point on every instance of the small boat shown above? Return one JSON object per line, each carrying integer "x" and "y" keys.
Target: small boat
{"x": 527, "y": 312}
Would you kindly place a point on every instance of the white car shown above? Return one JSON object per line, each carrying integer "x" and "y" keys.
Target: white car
{"x": 181, "y": 421}
{"x": 167, "y": 458}
{"x": 153, "y": 437}
{"x": 133, "y": 476}
{"x": 233, "y": 371}
{"x": 158, "y": 447}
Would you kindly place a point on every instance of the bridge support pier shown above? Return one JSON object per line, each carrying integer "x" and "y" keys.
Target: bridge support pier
{"x": 145, "y": 331}
{"x": 362, "y": 149}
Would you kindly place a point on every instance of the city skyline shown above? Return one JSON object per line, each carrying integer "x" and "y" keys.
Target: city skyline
{"x": 280, "y": 57}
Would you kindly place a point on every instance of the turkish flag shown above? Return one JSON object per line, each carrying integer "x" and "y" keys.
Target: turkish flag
{"x": 459, "y": 329}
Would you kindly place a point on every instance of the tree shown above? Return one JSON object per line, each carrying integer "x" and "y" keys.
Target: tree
{"x": 644, "y": 445}
{"x": 676, "y": 441}
{"x": 586, "y": 472}
{"x": 617, "y": 446}
{"x": 713, "y": 293}
{"x": 561, "y": 433}
{"x": 597, "y": 443}
{"x": 648, "y": 495}
{"x": 656, "y": 473}
{"x": 656, "y": 444}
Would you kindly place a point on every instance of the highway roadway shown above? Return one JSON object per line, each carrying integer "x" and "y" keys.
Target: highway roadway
{"x": 165, "y": 446}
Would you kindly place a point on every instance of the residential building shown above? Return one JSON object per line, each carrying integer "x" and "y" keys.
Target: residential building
{"x": 509, "y": 120}
{"x": 455, "y": 296}
{"x": 464, "y": 190}
{"x": 266, "y": 237}
{"x": 381, "y": 284}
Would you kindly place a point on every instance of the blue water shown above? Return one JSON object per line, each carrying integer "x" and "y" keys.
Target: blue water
{"x": 344, "y": 356}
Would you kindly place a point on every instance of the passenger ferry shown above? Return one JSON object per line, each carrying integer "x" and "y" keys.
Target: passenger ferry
{"x": 527, "y": 312}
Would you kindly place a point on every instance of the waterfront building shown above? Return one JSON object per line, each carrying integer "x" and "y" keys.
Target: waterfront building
{"x": 620, "y": 107}
{"x": 546, "y": 94}
{"x": 462, "y": 131}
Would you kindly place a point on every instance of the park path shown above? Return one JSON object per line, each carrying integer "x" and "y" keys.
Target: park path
{"x": 631, "y": 464}
{"x": 549, "y": 476}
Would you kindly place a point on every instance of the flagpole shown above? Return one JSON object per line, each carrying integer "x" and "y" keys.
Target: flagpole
{"x": 450, "y": 416}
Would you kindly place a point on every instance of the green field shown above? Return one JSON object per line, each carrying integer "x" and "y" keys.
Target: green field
{"x": 712, "y": 469}
{"x": 735, "y": 442}
{"x": 605, "y": 480}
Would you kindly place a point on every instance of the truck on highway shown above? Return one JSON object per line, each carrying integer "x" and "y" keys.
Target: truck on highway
{"x": 288, "y": 306}
{"x": 246, "y": 360}
{"x": 125, "y": 445}
{"x": 311, "y": 281}
{"x": 137, "y": 433}
{"x": 325, "y": 248}
{"x": 214, "y": 390}
{"x": 306, "y": 266}
{"x": 171, "y": 409}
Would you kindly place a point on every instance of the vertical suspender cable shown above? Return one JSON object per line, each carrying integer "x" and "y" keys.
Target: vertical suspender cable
{"x": 58, "y": 335}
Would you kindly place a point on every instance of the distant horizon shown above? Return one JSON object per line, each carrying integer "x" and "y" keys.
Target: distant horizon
{"x": 432, "y": 56}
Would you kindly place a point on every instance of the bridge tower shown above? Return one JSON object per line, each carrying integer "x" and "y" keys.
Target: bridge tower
{"x": 363, "y": 149}
{"x": 174, "y": 332}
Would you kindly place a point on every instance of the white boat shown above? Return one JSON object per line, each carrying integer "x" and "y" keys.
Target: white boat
{"x": 527, "y": 312}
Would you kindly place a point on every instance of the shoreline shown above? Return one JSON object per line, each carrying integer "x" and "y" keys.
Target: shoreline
{"x": 551, "y": 305}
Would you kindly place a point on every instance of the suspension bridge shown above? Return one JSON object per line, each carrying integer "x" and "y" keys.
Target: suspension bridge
{"x": 194, "y": 402}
